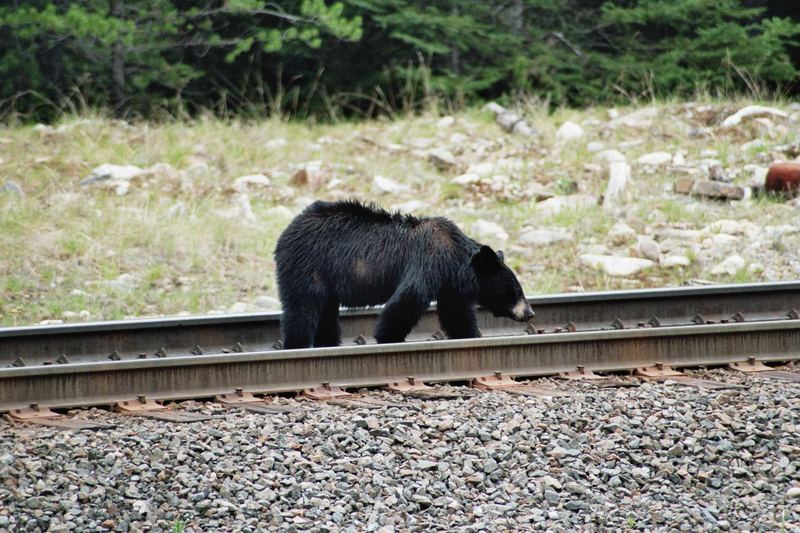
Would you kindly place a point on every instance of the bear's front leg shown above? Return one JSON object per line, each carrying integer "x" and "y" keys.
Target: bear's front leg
{"x": 401, "y": 314}
{"x": 457, "y": 316}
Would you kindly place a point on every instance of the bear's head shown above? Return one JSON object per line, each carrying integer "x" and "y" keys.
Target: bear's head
{"x": 498, "y": 288}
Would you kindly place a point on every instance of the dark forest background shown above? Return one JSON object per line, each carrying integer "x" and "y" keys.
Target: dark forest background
{"x": 312, "y": 58}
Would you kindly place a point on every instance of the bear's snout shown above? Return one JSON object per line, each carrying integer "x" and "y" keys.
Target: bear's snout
{"x": 522, "y": 312}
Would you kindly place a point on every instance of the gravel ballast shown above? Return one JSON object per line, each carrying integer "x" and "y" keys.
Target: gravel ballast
{"x": 656, "y": 456}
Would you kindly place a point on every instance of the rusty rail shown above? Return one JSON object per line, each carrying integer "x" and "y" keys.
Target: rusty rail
{"x": 181, "y": 337}
{"x": 84, "y": 384}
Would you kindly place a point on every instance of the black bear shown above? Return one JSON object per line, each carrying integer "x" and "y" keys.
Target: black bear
{"x": 357, "y": 255}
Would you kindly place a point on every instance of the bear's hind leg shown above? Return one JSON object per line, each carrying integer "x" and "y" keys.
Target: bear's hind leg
{"x": 329, "y": 332}
{"x": 299, "y": 323}
{"x": 401, "y": 314}
{"x": 457, "y": 317}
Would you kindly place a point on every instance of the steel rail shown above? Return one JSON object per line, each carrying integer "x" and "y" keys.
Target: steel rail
{"x": 192, "y": 336}
{"x": 84, "y": 384}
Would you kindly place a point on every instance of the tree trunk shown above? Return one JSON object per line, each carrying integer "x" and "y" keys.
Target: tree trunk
{"x": 118, "y": 62}
{"x": 517, "y": 16}
{"x": 455, "y": 55}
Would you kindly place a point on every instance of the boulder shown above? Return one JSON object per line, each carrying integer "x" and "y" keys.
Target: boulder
{"x": 620, "y": 233}
{"x": 617, "y": 266}
{"x": 655, "y": 159}
{"x": 485, "y": 229}
{"x": 752, "y": 111}
{"x": 545, "y": 237}
{"x": 384, "y": 185}
{"x": 569, "y": 131}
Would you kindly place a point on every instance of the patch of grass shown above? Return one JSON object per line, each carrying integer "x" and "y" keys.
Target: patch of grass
{"x": 189, "y": 250}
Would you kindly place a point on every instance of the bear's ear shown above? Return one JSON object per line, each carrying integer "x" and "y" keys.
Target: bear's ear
{"x": 500, "y": 256}
{"x": 485, "y": 261}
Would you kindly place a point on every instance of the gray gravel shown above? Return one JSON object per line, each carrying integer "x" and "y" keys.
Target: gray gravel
{"x": 654, "y": 457}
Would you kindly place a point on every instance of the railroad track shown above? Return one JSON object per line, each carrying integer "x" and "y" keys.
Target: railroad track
{"x": 197, "y": 357}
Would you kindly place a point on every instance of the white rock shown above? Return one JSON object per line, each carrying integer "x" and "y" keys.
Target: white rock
{"x": 619, "y": 174}
{"x": 595, "y": 146}
{"x": 485, "y": 229}
{"x": 466, "y": 179}
{"x": 641, "y": 118}
{"x": 545, "y": 237}
{"x": 616, "y": 266}
{"x": 569, "y": 131}
{"x": 51, "y": 322}
{"x": 382, "y": 184}
{"x": 239, "y": 307}
{"x": 442, "y": 159}
{"x": 731, "y": 227}
{"x": 445, "y": 122}
{"x": 672, "y": 261}
{"x": 412, "y": 206}
{"x": 242, "y": 202}
{"x": 610, "y": 156}
{"x": 678, "y": 160}
{"x": 793, "y": 492}
{"x": 750, "y": 112}
{"x": 483, "y": 169}
{"x": 524, "y": 129}
{"x": 655, "y": 158}
{"x": 494, "y": 108}
{"x": 730, "y": 266}
{"x": 275, "y": 144}
{"x": 279, "y": 212}
{"x": 458, "y": 138}
{"x": 709, "y": 153}
{"x": 596, "y": 249}
{"x": 755, "y": 268}
{"x": 758, "y": 177}
{"x": 555, "y": 205}
{"x": 620, "y": 233}
{"x": 110, "y": 171}
{"x": 242, "y": 183}
{"x": 648, "y": 248}
{"x": 267, "y": 302}
{"x": 721, "y": 241}
{"x": 240, "y": 210}
{"x": 755, "y": 144}
{"x": 421, "y": 142}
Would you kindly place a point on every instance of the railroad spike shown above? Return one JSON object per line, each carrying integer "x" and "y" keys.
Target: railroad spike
{"x": 197, "y": 350}
{"x": 161, "y": 352}
{"x": 62, "y": 360}
{"x": 238, "y": 348}
{"x": 655, "y": 322}
{"x": 438, "y": 335}
{"x": 571, "y": 327}
{"x": 142, "y": 355}
{"x": 360, "y": 340}
{"x": 18, "y": 362}
{"x": 277, "y": 345}
{"x": 738, "y": 317}
{"x": 618, "y": 324}
{"x": 699, "y": 320}
{"x": 794, "y": 314}
{"x": 114, "y": 356}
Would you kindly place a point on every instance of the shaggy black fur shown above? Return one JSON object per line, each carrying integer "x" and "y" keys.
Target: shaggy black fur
{"x": 357, "y": 255}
